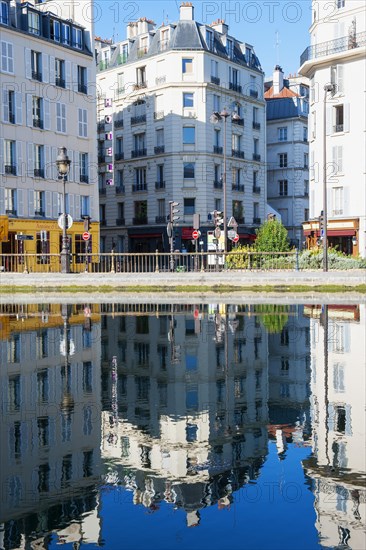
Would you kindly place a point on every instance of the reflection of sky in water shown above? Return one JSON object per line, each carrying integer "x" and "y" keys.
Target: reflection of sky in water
{"x": 239, "y": 428}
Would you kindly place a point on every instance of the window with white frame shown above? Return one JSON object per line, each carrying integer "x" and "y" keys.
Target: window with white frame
{"x": 77, "y": 38}
{"x": 214, "y": 68}
{"x": 313, "y": 124}
{"x": 83, "y": 122}
{"x": 283, "y": 160}
{"x": 84, "y": 167}
{"x": 39, "y": 203}
{"x": 161, "y": 209}
{"x": 209, "y": 39}
{"x": 305, "y": 133}
{"x": 141, "y": 76}
{"x": 9, "y": 106}
{"x": 7, "y": 59}
{"x": 341, "y": 3}
{"x": 230, "y": 48}
{"x": 85, "y": 205}
{"x": 4, "y": 13}
{"x": 282, "y": 133}
{"x": 306, "y": 160}
{"x": 60, "y": 73}
{"x": 160, "y": 137}
{"x": 37, "y": 111}
{"x": 36, "y": 64}
{"x": 188, "y": 99}
{"x": 140, "y": 176}
{"x": 306, "y": 188}
{"x": 236, "y": 142}
{"x": 10, "y": 201}
{"x": 218, "y": 205}
{"x": 337, "y": 201}
{"x": 120, "y": 83}
{"x": 187, "y": 65}
{"x": 336, "y": 78}
{"x": 10, "y": 157}
{"x": 82, "y": 80}
{"x": 55, "y": 30}
{"x": 33, "y": 23}
{"x": 65, "y": 34}
{"x": 283, "y": 188}
{"x": 39, "y": 161}
{"x": 61, "y": 117}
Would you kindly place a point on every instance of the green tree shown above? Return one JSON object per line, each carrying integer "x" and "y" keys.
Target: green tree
{"x": 271, "y": 237}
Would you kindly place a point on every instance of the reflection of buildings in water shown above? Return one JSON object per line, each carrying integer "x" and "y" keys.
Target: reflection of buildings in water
{"x": 191, "y": 425}
{"x": 338, "y": 422}
{"x": 289, "y": 380}
{"x": 50, "y": 404}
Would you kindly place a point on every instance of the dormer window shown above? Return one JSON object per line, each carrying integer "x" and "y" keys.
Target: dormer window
{"x": 248, "y": 55}
{"x": 33, "y": 23}
{"x": 66, "y": 34}
{"x": 164, "y": 40}
{"x": 210, "y": 40}
{"x": 77, "y": 38}
{"x": 4, "y": 13}
{"x": 230, "y": 48}
{"x": 55, "y": 30}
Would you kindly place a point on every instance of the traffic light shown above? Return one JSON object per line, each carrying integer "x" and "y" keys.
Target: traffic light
{"x": 218, "y": 218}
{"x": 173, "y": 211}
{"x": 321, "y": 221}
{"x": 86, "y": 223}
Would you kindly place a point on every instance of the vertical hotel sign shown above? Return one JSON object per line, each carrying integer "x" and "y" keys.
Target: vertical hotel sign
{"x": 108, "y": 119}
{"x": 4, "y": 229}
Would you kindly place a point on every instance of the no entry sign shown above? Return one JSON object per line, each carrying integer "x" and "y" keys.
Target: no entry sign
{"x": 196, "y": 234}
{"x": 86, "y": 235}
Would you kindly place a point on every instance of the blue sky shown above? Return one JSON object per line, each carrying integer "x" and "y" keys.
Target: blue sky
{"x": 262, "y": 23}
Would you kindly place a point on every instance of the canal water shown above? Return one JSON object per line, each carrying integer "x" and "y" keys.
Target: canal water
{"x": 167, "y": 426}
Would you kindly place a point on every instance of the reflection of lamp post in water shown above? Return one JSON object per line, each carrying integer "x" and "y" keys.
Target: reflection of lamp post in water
{"x": 63, "y": 166}
{"x": 66, "y": 349}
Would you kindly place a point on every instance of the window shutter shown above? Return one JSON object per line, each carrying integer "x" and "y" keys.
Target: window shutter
{"x": 2, "y": 200}
{"x": 74, "y": 77}
{"x": 18, "y": 108}
{"x": 77, "y": 207}
{"x": 77, "y": 165}
{"x": 55, "y": 204}
{"x": 346, "y": 117}
{"x": 48, "y": 204}
{"x": 28, "y": 63}
{"x": 5, "y": 106}
{"x": 70, "y": 154}
{"x": 331, "y": 413}
{"x": 346, "y": 209}
{"x": 1, "y": 156}
{"x": 63, "y": 116}
{"x": 52, "y": 70}
{"x": 340, "y": 79}
{"x": 348, "y": 429}
{"x": 45, "y": 68}
{"x": 88, "y": 81}
{"x": 29, "y": 110}
{"x": 54, "y": 172}
{"x": 19, "y": 153}
{"x": 68, "y": 74}
{"x": 85, "y": 120}
{"x": 30, "y": 160}
{"x": 46, "y": 114}
{"x": 330, "y": 122}
{"x": 31, "y": 203}
{"x": 20, "y": 202}
{"x": 91, "y": 208}
{"x": 71, "y": 205}
{"x": 10, "y": 58}
{"x": 47, "y": 162}
{"x": 340, "y": 158}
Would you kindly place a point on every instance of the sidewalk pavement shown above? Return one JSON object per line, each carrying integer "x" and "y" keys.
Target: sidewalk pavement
{"x": 243, "y": 279}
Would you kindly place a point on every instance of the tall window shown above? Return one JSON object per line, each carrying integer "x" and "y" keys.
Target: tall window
{"x": 55, "y": 30}
{"x": 39, "y": 161}
{"x": 283, "y": 188}
{"x": 7, "y": 60}
{"x": 282, "y": 133}
{"x": 65, "y": 34}
{"x": 39, "y": 203}
{"x": 83, "y": 122}
{"x": 120, "y": 83}
{"x": 188, "y": 170}
{"x": 60, "y": 73}
{"x": 141, "y": 76}
{"x": 216, "y": 103}
{"x": 187, "y": 65}
{"x": 189, "y": 135}
{"x": 33, "y": 23}
{"x": 10, "y": 157}
{"x": 339, "y": 118}
{"x": 36, "y": 63}
{"x": 77, "y": 38}
{"x": 337, "y": 197}
{"x": 4, "y": 13}
{"x": 188, "y": 99}
{"x": 209, "y": 39}
{"x": 10, "y": 201}
{"x": 189, "y": 206}
{"x": 82, "y": 80}
{"x": 283, "y": 160}
{"x": 37, "y": 104}
{"x": 85, "y": 205}
{"x": 230, "y": 48}
{"x": 84, "y": 167}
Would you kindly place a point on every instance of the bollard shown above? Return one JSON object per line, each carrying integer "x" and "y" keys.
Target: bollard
{"x": 156, "y": 261}
{"x": 112, "y": 264}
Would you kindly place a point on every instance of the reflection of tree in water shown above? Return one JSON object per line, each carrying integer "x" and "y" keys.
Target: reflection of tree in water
{"x": 274, "y": 317}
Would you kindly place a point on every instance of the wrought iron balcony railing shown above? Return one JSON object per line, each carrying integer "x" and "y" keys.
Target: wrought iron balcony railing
{"x": 118, "y": 124}
{"x": 256, "y": 125}
{"x": 218, "y": 184}
{"x": 334, "y": 46}
{"x": 256, "y": 157}
{"x": 160, "y": 185}
{"x": 82, "y": 88}
{"x": 120, "y": 221}
{"x": 217, "y": 150}
{"x": 39, "y": 172}
{"x": 159, "y": 149}
{"x": 10, "y": 169}
{"x": 138, "y": 119}
{"x": 60, "y": 82}
{"x": 36, "y": 75}
{"x": 138, "y": 153}
{"x": 238, "y": 187}
{"x": 215, "y": 80}
{"x": 119, "y": 156}
{"x": 136, "y": 187}
{"x": 237, "y": 153}
{"x": 141, "y": 220}
{"x": 120, "y": 189}
{"x": 235, "y": 87}
{"x": 256, "y": 189}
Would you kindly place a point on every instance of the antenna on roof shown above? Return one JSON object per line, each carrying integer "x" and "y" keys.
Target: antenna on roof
{"x": 277, "y": 46}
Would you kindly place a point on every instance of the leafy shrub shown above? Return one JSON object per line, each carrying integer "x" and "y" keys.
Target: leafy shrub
{"x": 271, "y": 237}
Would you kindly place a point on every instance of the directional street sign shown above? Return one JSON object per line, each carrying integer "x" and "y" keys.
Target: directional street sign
{"x": 196, "y": 234}
{"x": 24, "y": 237}
{"x": 86, "y": 235}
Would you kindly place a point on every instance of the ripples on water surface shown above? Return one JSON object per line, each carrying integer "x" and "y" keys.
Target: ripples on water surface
{"x": 169, "y": 426}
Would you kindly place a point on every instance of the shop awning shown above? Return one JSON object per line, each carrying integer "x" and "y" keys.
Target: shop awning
{"x": 145, "y": 235}
{"x": 187, "y": 232}
{"x": 332, "y": 232}
{"x": 247, "y": 236}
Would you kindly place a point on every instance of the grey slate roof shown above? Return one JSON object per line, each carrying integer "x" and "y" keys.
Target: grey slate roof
{"x": 284, "y": 108}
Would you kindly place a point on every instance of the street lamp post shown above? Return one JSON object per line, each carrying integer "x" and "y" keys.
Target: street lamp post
{"x": 328, "y": 88}
{"x": 63, "y": 166}
{"x": 216, "y": 116}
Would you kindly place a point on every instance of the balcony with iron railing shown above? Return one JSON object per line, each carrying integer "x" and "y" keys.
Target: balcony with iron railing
{"x": 256, "y": 125}
{"x": 253, "y": 93}
{"x": 335, "y": 46}
{"x": 139, "y": 187}
{"x": 160, "y": 185}
{"x": 237, "y": 153}
{"x": 38, "y": 123}
{"x": 159, "y": 80}
{"x": 138, "y": 153}
{"x": 256, "y": 189}
{"x": 140, "y": 119}
{"x": 159, "y": 149}
{"x": 256, "y": 157}
{"x": 84, "y": 178}
{"x": 238, "y": 187}
{"x": 218, "y": 184}
{"x": 36, "y": 75}
{"x": 257, "y": 221}
{"x": 82, "y": 88}
{"x": 160, "y": 219}
{"x": 38, "y": 172}
{"x": 238, "y": 121}
{"x": 60, "y": 82}
{"x": 235, "y": 87}
{"x": 218, "y": 150}
{"x": 338, "y": 128}
{"x": 119, "y": 156}
{"x": 10, "y": 169}
{"x": 120, "y": 221}
{"x": 118, "y": 124}
{"x": 140, "y": 220}
{"x": 215, "y": 80}
{"x": 140, "y": 85}
{"x": 11, "y": 118}
{"x": 120, "y": 189}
